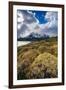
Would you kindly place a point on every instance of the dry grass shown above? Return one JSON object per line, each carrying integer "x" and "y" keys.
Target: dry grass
{"x": 37, "y": 59}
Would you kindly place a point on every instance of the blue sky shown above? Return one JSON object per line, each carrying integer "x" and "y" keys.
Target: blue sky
{"x": 42, "y": 22}
{"x": 40, "y": 16}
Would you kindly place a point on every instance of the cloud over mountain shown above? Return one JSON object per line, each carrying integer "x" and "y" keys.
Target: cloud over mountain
{"x": 27, "y": 22}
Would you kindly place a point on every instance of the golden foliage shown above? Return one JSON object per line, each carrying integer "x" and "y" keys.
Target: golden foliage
{"x": 38, "y": 59}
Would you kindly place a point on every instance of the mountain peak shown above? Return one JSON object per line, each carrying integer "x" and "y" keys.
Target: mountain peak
{"x": 34, "y": 36}
{"x": 37, "y": 35}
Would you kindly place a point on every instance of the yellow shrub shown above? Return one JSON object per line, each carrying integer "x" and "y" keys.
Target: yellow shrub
{"x": 44, "y": 66}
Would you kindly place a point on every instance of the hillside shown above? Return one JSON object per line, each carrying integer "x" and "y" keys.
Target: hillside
{"x": 37, "y": 59}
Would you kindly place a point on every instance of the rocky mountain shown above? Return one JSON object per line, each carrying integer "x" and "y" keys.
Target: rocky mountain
{"x": 34, "y": 36}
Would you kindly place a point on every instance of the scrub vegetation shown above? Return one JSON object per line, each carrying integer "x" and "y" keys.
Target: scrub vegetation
{"x": 38, "y": 59}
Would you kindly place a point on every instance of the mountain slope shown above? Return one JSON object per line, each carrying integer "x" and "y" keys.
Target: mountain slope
{"x": 38, "y": 59}
{"x": 34, "y": 36}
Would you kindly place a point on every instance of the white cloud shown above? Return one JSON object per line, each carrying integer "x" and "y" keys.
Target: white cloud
{"x": 52, "y": 20}
{"x": 28, "y": 23}
{"x": 51, "y": 16}
{"x": 26, "y": 34}
{"x": 51, "y": 26}
{"x": 20, "y": 19}
{"x": 33, "y": 15}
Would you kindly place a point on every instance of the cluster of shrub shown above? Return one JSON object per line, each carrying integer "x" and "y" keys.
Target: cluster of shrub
{"x": 37, "y": 60}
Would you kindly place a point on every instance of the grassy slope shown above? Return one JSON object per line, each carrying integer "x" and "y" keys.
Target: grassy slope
{"x": 38, "y": 59}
